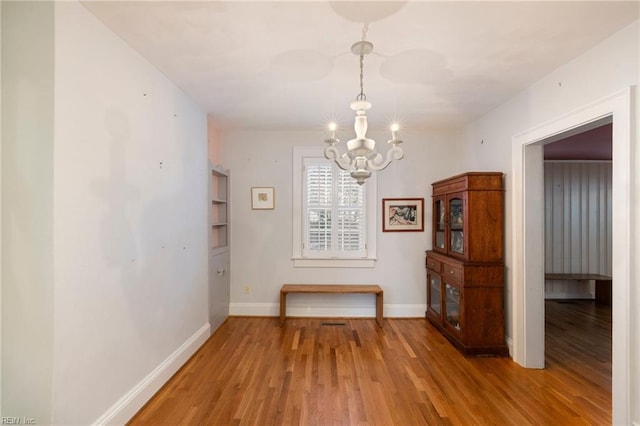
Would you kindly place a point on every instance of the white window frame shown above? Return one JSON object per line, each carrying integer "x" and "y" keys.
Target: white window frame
{"x": 371, "y": 218}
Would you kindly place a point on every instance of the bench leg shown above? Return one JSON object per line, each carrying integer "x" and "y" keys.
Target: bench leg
{"x": 379, "y": 305}
{"x": 283, "y": 307}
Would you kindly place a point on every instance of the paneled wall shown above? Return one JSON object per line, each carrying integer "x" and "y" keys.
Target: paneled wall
{"x": 577, "y": 224}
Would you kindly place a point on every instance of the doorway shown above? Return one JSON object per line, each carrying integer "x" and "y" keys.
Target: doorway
{"x": 527, "y": 272}
{"x": 577, "y": 208}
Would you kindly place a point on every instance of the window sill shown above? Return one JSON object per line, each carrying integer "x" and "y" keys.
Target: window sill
{"x": 333, "y": 263}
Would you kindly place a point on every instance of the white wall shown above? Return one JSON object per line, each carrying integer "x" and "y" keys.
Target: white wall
{"x": 578, "y": 224}
{"x": 105, "y": 216}
{"x": 634, "y": 300}
{"x": 261, "y": 240}
{"x": 607, "y": 68}
{"x": 0, "y": 210}
{"x": 603, "y": 70}
{"x": 27, "y": 203}
{"x": 130, "y": 218}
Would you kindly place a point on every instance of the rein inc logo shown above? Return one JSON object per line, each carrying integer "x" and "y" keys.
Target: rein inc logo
{"x": 17, "y": 421}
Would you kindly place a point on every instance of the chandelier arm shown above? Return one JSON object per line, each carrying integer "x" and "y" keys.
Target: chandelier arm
{"x": 343, "y": 161}
{"x": 393, "y": 154}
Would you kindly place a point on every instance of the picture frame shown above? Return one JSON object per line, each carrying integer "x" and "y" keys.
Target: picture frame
{"x": 402, "y": 214}
{"x": 263, "y": 198}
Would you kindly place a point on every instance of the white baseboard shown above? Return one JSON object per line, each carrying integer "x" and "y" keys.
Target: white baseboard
{"x": 254, "y": 309}
{"x": 509, "y": 343}
{"x": 405, "y": 311}
{"x": 123, "y": 410}
{"x": 320, "y": 310}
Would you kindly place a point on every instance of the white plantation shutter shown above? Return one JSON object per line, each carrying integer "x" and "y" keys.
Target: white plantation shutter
{"x": 333, "y": 211}
{"x": 318, "y": 212}
{"x": 350, "y": 205}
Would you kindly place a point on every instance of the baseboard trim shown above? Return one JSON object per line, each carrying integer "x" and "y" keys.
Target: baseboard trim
{"x": 405, "y": 311}
{"x": 324, "y": 310}
{"x": 127, "y": 406}
{"x": 254, "y": 309}
{"x": 509, "y": 343}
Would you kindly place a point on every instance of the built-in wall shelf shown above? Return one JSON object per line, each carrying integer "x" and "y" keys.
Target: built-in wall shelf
{"x": 219, "y": 207}
{"x": 219, "y": 252}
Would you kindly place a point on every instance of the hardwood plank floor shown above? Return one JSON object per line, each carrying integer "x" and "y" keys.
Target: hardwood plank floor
{"x": 252, "y": 372}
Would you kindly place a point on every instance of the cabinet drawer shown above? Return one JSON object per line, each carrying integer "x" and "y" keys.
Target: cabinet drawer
{"x": 434, "y": 265}
{"x": 451, "y": 273}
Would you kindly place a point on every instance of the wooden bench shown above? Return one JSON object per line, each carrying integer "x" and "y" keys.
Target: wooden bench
{"x": 603, "y": 284}
{"x": 333, "y": 289}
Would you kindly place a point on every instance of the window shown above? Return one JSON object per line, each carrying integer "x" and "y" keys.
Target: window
{"x": 334, "y": 217}
{"x": 333, "y": 211}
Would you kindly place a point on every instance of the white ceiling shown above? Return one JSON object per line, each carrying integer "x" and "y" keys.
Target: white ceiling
{"x": 274, "y": 64}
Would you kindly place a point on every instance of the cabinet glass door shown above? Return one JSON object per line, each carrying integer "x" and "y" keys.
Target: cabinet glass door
{"x": 456, "y": 229}
{"x": 435, "y": 299}
{"x": 439, "y": 218}
{"x": 452, "y": 301}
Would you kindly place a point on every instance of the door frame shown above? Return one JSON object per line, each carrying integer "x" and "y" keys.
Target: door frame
{"x": 527, "y": 272}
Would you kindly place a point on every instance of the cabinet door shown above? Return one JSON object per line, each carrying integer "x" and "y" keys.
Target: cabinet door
{"x": 434, "y": 295}
{"x": 453, "y": 307}
{"x": 456, "y": 204}
{"x": 219, "y": 286}
{"x": 439, "y": 224}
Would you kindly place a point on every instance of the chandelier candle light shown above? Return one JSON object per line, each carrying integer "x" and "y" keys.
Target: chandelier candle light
{"x": 361, "y": 156}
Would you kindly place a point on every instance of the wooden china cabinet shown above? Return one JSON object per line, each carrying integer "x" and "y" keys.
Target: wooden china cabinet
{"x": 465, "y": 269}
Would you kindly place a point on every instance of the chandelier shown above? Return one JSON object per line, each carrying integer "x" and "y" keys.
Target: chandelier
{"x": 361, "y": 157}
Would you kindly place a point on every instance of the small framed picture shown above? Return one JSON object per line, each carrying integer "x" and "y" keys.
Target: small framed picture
{"x": 263, "y": 198}
{"x": 402, "y": 214}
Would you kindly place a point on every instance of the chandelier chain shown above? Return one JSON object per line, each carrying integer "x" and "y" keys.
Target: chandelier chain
{"x": 361, "y": 96}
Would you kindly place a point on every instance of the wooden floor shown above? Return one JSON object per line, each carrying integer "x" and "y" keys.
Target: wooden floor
{"x": 310, "y": 373}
